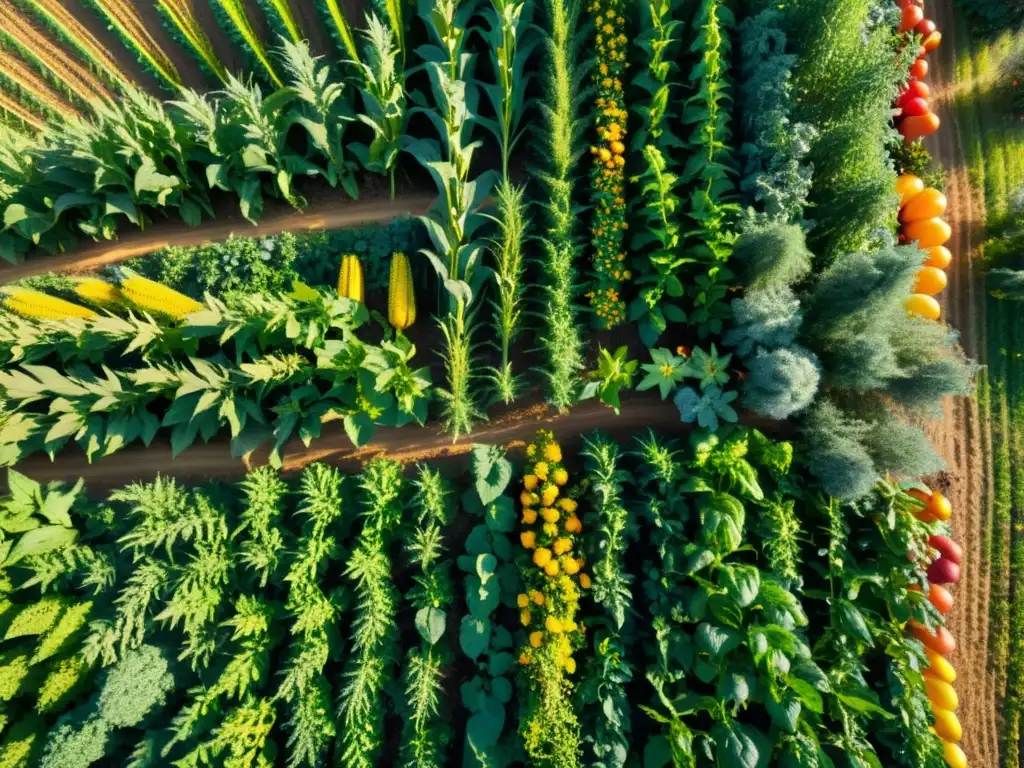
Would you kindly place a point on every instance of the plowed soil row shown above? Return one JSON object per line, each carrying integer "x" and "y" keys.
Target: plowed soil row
{"x": 963, "y": 436}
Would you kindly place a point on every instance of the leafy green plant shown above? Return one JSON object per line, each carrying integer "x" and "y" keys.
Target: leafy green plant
{"x": 454, "y": 221}
{"x": 490, "y": 581}
{"x": 614, "y": 373}
{"x": 34, "y": 520}
{"x": 427, "y": 733}
{"x": 370, "y": 662}
{"x": 561, "y": 339}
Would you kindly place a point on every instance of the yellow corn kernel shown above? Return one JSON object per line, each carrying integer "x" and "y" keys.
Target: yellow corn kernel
{"x": 98, "y": 292}
{"x": 29, "y": 303}
{"x": 401, "y": 299}
{"x": 156, "y": 298}
{"x": 350, "y": 278}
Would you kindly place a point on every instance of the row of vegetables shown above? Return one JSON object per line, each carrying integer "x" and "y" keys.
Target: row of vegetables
{"x": 921, "y": 213}
{"x": 915, "y": 116}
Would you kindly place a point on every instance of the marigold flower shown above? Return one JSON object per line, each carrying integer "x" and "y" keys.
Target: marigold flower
{"x": 553, "y": 452}
{"x": 550, "y": 515}
{"x": 560, "y": 477}
{"x": 530, "y": 482}
{"x": 570, "y": 566}
{"x": 540, "y": 469}
{"x": 584, "y": 581}
{"x": 573, "y": 525}
{"x": 569, "y": 505}
{"x": 551, "y": 568}
{"x": 553, "y": 625}
{"x": 550, "y": 529}
{"x": 522, "y": 600}
{"x": 570, "y": 665}
{"x": 562, "y": 546}
{"x": 524, "y": 659}
{"x": 531, "y": 450}
{"x": 548, "y": 495}
{"x": 529, "y": 516}
{"x": 525, "y": 617}
{"x": 528, "y": 539}
{"x": 528, "y": 499}
{"x": 536, "y": 597}
{"x": 542, "y": 557}
{"x": 536, "y": 638}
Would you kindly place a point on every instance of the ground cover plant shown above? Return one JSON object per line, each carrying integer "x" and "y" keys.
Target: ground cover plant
{"x": 279, "y": 621}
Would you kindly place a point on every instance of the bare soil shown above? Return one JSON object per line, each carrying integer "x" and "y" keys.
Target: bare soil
{"x": 963, "y": 436}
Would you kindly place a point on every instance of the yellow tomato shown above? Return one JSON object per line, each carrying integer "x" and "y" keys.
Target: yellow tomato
{"x": 941, "y": 694}
{"x": 939, "y": 668}
{"x": 955, "y": 757}
{"x": 925, "y": 306}
{"x": 947, "y": 725}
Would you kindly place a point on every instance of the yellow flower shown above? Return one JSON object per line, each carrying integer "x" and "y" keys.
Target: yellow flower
{"x": 553, "y": 625}
{"x": 550, "y": 529}
{"x": 551, "y": 568}
{"x": 536, "y": 597}
{"x": 573, "y": 525}
{"x": 570, "y": 665}
{"x": 536, "y": 638}
{"x": 553, "y": 452}
{"x": 548, "y": 495}
{"x": 531, "y": 450}
{"x": 570, "y": 566}
{"x": 524, "y": 659}
{"x": 540, "y": 469}
{"x": 584, "y": 581}
{"x": 569, "y": 505}
{"x": 562, "y": 546}
{"x": 542, "y": 557}
{"x": 530, "y": 482}
{"x": 525, "y": 617}
{"x": 522, "y": 600}
{"x": 528, "y": 539}
{"x": 528, "y": 499}
{"x": 529, "y": 516}
{"x": 560, "y": 477}
{"x": 618, "y": 147}
{"x": 550, "y": 515}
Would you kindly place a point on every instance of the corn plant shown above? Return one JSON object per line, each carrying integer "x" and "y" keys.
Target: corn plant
{"x": 15, "y": 119}
{"x": 383, "y": 98}
{"x": 512, "y": 41}
{"x": 658, "y": 242}
{"x": 59, "y": 66}
{"x": 308, "y": 387}
{"x": 454, "y": 221}
{"x": 234, "y": 19}
{"x": 427, "y": 732}
{"x": 603, "y": 691}
{"x": 322, "y": 110}
{"x": 369, "y": 668}
{"x": 284, "y": 25}
{"x": 186, "y": 29}
{"x": 562, "y": 338}
{"x": 490, "y": 581}
{"x": 333, "y": 15}
{"x": 131, "y": 28}
{"x": 72, "y": 32}
{"x": 314, "y": 612}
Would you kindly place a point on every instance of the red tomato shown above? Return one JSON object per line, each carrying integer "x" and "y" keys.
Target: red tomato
{"x": 925, "y": 27}
{"x": 918, "y": 89}
{"x": 919, "y": 69}
{"x": 943, "y": 571}
{"x": 914, "y": 128}
{"x": 915, "y": 108}
{"x": 940, "y": 598}
{"x": 912, "y": 16}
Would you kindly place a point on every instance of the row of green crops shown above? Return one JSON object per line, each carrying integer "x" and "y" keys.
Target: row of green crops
{"x": 651, "y": 604}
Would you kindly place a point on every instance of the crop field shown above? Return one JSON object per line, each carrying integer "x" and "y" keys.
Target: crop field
{"x": 557, "y": 383}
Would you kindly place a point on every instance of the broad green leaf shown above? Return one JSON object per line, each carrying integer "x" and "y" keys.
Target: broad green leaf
{"x": 39, "y": 541}
{"x": 474, "y": 636}
{"x": 430, "y": 623}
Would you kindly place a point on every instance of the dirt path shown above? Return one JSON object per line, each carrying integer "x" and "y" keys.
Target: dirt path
{"x": 329, "y": 212}
{"x": 964, "y": 435}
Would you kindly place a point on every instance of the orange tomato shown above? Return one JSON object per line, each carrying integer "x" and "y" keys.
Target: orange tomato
{"x": 955, "y": 757}
{"x": 908, "y": 186}
{"x": 932, "y": 42}
{"x": 925, "y": 306}
{"x": 928, "y": 233}
{"x": 914, "y": 128}
{"x": 922, "y": 513}
{"x": 930, "y": 204}
{"x": 919, "y": 69}
{"x": 930, "y": 281}
{"x": 940, "y": 506}
{"x": 939, "y": 668}
{"x": 941, "y": 598}
{"x": 941, "y": 641}
{"x": 938, "y": 256}
{"x": 947, "y": 726}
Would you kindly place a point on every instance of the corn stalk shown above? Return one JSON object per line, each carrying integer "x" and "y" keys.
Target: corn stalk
{"x": 70, "y": 30}
{"x": 51, "y": 58}
{"x": 235, "y": 21}
{"x": 334, "y": 16}
{"x": 282, "y": 20}
{"x": 17, "y": 77}
{"x": 185, "y": 26}
{"x": 511, "y": 42}
{"x": 454, "y": 220}
{"x": 126, "y": 21}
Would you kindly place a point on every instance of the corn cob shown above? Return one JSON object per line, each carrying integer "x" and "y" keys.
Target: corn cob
{"x": 156, "y": 298}
{"x": 401, "y": 298}
{"x": 29, "y": 303}
{"x": 350, "y": 279}
{"x": 98, "y": 292}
